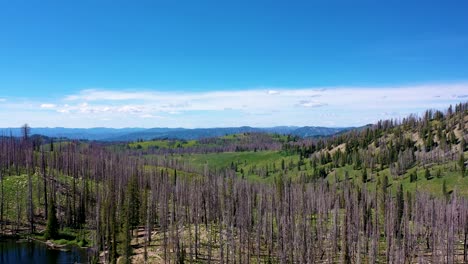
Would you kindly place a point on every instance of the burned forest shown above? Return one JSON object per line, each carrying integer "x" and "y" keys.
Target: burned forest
{"x": 369, "y": 195}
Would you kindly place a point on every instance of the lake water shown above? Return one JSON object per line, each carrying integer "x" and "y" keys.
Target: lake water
{"x": 35, "y": 252}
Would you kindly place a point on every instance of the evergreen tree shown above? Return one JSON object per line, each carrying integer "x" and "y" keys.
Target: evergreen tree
{"x": 134, "y": 203}
{"x": 126, "y": 232}
{"x": 357, "y": 161}
{"x": 453, "y": 138}
{"x": 461, "y": 164}
{"x": 427, "y": 174}
{"x": 125, "y": 228}
{"x": 444, "y": 190}
{"x": 429, "y": 142}
{"x": 364, "y": 175}
{"x": 279, "y": 186}
{"x": 383, "y": 200}
{"x": 413, "y": 176}
{"x": 52, "y": 226}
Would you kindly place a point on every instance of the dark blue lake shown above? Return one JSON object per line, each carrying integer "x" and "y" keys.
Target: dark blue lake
{"x": 35, "y": 252}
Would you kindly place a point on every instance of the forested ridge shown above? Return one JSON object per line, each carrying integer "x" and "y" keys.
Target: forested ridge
{"x": 392, "y": 192}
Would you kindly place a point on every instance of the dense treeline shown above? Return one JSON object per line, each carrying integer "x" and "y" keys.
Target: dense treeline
{"x": 125, "y": 203}
{"x": 436, "y": 137}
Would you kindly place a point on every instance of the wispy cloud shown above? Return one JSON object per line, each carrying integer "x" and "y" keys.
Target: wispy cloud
{"x": 48, "y": 106}
{"x": 150, "y": 116}
{"x": 2, "y": 100}
{"x": 111, "y": 95}
{"x": 310, "y": 103}
{"x": 338, "y": 106}
{"x": 272, "y": 92}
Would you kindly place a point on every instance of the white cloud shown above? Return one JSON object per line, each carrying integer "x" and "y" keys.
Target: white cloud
{"x": 272, "y": 92}
{"x": 310, "y": 103}
{"x": 48, "y": 106}
{"x": 130, "y": 109}
{"x": 341, "y": 106}
{"x": 109, "y": 95}
{"x": 2, "y": 100}
{"x": 150, "y": 116}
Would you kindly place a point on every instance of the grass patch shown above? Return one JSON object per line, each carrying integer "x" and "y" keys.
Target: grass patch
{"x": 265, "y": 166}
{"x": 163, "y": 144}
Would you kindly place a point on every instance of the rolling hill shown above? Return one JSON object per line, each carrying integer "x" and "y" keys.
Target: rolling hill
{"x": 132, "y": 134}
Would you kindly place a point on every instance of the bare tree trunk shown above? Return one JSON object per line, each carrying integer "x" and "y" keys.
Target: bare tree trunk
{"x": 465, "y": 244}
{"x": 44, "y": 177}
{"x": 2, "y": 199}
{"x": 30, "y": 204}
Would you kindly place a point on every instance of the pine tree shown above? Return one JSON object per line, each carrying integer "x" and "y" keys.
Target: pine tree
{"x": 385, "y": 184}
{"x": 134, "y": 202}
{"x": 52, "y": 227}
{"x": 453, "y": 138}
{"x": 124, "y": 245}
{"x": 461, "y": 164}
{"x": 357, "y": 161}
{"x": 126, "y": 232}
{"x": 429, "y": 142}
{"x": 364, "y": 175}
{"x": 444, "y": 190}
{"x": 427, "y": 174}
{"x": 413, "y": 176}
{"x": 51, "y": 144}
{"x": 279, "y": 186}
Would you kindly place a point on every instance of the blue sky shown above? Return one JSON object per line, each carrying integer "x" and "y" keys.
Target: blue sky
{"x": 228, "y": 63}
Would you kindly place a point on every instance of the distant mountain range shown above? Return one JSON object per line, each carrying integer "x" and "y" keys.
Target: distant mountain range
{"x": 132, "y": 134}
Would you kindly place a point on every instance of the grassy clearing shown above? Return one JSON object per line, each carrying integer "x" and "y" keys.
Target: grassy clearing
{"x": 250, "y": 164}
{"x": 449, "y": 172}
{"x": 163, "y": 144}
{"x": 264, "y": 166}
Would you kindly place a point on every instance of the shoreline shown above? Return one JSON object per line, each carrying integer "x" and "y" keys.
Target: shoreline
{"x": 24, "y": 236}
